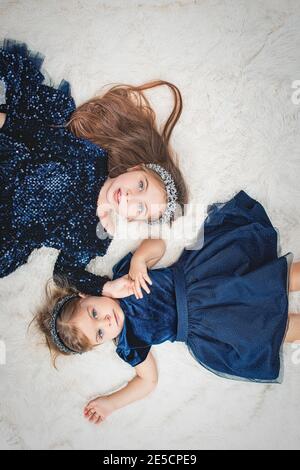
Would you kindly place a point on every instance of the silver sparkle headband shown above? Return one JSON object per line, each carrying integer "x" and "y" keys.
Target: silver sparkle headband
{"x": 171, "y": 193}
{"x": 54, "y": 332}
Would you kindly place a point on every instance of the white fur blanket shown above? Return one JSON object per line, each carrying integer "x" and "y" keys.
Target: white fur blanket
{"x": 235, "y": 62}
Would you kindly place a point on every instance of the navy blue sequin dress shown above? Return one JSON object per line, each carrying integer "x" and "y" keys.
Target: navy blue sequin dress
{"x": 227, "y": 298}
{"x": 49, "y": 179}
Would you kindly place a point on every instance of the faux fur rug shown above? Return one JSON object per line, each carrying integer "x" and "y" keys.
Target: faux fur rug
{"x": 235, "y": 62}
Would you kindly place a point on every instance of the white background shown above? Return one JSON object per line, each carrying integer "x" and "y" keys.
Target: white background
{"x": 234, "y": 62}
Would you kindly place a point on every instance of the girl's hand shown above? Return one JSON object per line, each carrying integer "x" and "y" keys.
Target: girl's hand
{"x": 96, "y": 411}
{"x": 119, "y": 288}
{"x": 139, "y": 274}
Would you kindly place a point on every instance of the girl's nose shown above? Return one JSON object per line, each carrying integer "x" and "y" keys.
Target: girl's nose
{"x": 128, "y": 194}
{"x": 106, "y": 321}
{"x": 132, "y": 193}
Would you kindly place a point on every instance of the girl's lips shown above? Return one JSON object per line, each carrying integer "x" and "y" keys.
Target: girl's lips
{"x": 116, "y": 318}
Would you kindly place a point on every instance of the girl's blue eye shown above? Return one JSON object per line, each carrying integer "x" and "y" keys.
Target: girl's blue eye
{"x": 94, "y": 313}
{"x": 141, "y": 185}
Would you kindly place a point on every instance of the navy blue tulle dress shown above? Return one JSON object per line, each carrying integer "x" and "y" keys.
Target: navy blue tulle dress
{"x": 227, "y": 298}
{"x": 49, "y": 179}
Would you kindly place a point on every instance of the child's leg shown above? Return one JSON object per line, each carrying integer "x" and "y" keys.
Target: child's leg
{"x": 293, "y": 333}
{"x": 294, "y": 280}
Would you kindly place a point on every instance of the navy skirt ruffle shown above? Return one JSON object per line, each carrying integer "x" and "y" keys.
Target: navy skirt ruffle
{"x": 236, "y": 293}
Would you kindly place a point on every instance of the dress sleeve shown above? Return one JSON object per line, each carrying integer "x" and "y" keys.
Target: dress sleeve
{"x": 26, "y": 101}
{"x": 122, "y": 267}
{"x": 73, "y": 268}
{"x": 133, "y": 356}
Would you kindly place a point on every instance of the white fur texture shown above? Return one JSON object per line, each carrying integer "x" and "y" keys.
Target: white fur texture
{"x": 234, "y": 62}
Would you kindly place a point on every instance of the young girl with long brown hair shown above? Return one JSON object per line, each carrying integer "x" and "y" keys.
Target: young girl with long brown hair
{"x": 63, "y": 170}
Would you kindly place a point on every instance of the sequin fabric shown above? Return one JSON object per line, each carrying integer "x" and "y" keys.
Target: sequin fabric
{"x": 49, "y": 179}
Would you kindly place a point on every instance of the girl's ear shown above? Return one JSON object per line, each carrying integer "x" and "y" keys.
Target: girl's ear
{"x": 82, "y": 295}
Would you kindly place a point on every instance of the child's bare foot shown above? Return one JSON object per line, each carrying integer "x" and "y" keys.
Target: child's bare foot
{"x": 98, "y": 410}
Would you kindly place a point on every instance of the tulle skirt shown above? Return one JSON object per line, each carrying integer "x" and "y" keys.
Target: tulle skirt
{"x": 233, "y": 293}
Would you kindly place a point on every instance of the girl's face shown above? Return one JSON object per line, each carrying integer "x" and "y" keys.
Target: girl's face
{"x": 136, "y": 195}
{"x": 101, "y": 319}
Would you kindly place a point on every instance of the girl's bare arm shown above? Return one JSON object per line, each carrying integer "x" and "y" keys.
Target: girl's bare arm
{"x": 141, "y": 385}
{"x": 145, "y": 257}
{"x": 150, "y": 251}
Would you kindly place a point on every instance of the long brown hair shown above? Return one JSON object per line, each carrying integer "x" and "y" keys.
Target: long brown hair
{"x": 123, "y": 122}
